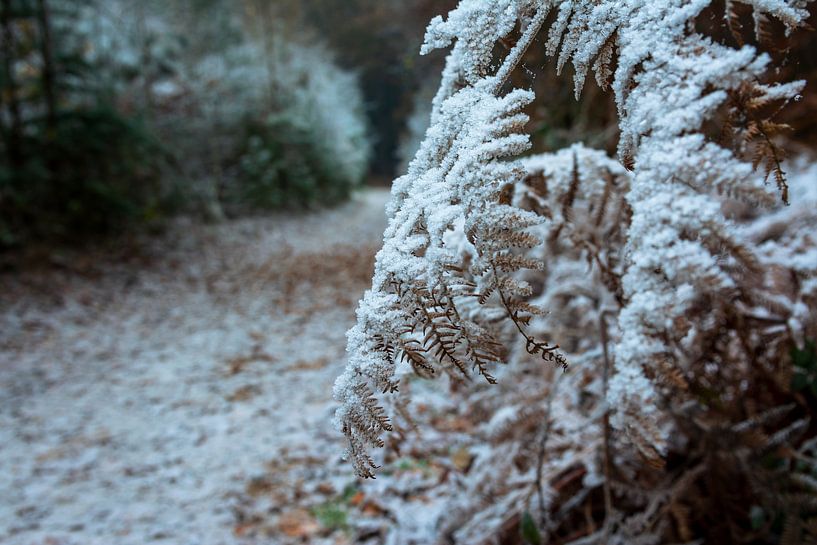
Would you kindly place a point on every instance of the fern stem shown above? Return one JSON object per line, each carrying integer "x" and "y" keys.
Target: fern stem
{"x": 540, "y": 488}
{"x": 608, "y": 497}
{"x": 515, "y": 55}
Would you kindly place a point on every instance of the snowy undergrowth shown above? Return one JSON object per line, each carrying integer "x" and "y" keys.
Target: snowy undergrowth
{"x": 263, "y": 118}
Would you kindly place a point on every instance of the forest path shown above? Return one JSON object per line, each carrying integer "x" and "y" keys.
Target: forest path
{"x": 183, "y": 398}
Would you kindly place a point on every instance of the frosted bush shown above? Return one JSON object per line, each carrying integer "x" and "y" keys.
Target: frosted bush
{"x": 217, "y": 82}
{"x": 303, "y": 102}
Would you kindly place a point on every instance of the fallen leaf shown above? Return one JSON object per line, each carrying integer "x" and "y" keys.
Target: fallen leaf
{"x": 372, "y": 509}
{"x": 357, "y": 499}
{"x": 461, "y": 458}
{"x": 298, "y": 523}
{"x": 244, "y": 393}
{"x": 326, "y": 489}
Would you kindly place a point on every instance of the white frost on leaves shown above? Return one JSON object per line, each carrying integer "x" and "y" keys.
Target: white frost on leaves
{"x": 785, "y": 238}
{"x": 455, "y": 177}
{"x": 311, "y": 90}
{"x": 475, "y": 26}
{"x": 456, "y": 172}
{"x": 668, "y": 81}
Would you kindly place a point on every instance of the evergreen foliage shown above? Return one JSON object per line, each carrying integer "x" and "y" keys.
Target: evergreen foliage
{"x": 72, "y": 164}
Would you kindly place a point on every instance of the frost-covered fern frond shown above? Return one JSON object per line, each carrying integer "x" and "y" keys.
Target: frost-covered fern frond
{"x": 668, "y": 82}
{"x": 410, "y": 320}
{"x": 550, "y": 429}
{"x": 540, "y": 451}
{"x": 681, "y": 254}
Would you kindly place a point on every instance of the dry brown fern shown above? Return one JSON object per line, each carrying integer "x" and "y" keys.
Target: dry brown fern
{"x": 750, "y": 128}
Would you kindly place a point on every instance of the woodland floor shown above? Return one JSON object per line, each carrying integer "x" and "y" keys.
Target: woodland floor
{"x": 183, "y": 395}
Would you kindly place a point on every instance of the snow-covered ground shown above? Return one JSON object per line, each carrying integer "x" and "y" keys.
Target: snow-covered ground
{"x": 183, "y": 396}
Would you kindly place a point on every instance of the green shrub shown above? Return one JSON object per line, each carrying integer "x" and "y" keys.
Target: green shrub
{"x": 95, "y": 173}
{"x": 282, "y": 163}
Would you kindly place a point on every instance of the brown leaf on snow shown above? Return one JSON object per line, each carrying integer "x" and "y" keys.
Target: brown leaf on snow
{"x": 461, "y": 459}
{"x": 298, "y": 523}
{"x": 244, "y": 393}
{"x": 237, "y": 364}
{"x": 326, "y": 489}
{"x": 372, "y": 509}
{"x": 357, "y": 499}
{"x": 309, "y": 365}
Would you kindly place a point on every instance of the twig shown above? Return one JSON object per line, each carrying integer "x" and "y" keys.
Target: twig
{"x": 608, "y": 498}
{"x": 532, "y": 346}
{"x": 540, "y": 489}
{"x": 515, "y": 56}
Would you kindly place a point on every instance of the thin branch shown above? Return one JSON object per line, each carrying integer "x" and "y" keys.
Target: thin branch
{"x": 532, "y": 346}
{"x": 515, "y": 56}
{"x": 608, "y": 497}
{"x": 540, "y": 487}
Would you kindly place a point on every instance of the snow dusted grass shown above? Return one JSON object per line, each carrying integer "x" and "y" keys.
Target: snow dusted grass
{"x": 187, "y": 398}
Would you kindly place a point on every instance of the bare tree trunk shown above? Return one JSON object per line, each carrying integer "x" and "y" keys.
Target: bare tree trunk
{"x": 14, "y": 143}
{"x": 49, "y": 73}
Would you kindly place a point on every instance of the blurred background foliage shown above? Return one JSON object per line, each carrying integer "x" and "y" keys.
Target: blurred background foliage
{"x": 115, "y": 114}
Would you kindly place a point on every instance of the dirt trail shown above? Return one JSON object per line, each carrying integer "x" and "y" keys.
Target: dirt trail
{"x": 185, "y": 400}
